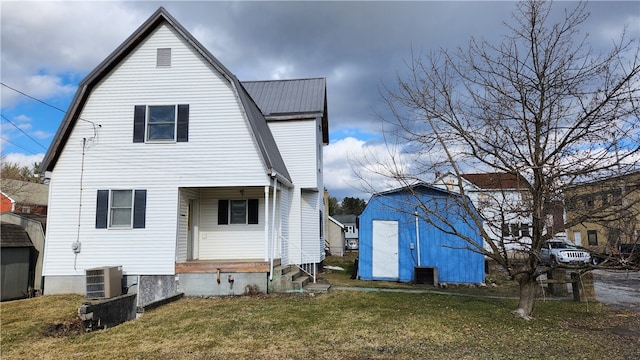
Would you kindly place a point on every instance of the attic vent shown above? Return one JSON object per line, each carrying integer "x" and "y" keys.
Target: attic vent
{"x": 164, "y": 57}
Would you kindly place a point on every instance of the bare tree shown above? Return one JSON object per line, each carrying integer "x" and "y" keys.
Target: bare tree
{"x": 541, "y": 105}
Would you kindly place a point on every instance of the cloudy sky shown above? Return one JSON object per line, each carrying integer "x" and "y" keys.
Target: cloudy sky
{"x": 359, "y": 47}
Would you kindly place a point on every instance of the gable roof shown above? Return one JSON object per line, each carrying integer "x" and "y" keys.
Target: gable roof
{"x": 271, "y": 156}
{"x": 24, "y": 192}
{"x": 417, "y": 186}
{"x": 12, "y": 235}
{"x": 346, "y": 219}
{"x": 496, "y": 181}
{"x": 333, "y": 220}
{"x": 292, "y": 99}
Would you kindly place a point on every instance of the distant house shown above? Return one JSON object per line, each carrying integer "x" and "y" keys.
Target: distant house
{"x": 350, "y": 224}
{"x": 503, "y": 201}
{"x": 18, "y": 262}
{"x": 612, "y": 207}
{"x": 168, "y": 166}
{"x": 335, "y": 237}
{"x": 23, "y": 197}
{"x": 397, "y": 245}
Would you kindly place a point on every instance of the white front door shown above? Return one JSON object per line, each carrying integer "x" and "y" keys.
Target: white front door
{"x": 192, "y": 230}
{"x": 577, "y": 237}
{"x": 385, "y": 249}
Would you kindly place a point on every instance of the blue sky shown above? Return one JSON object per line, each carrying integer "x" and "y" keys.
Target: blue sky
{"x": 360, "y": 47}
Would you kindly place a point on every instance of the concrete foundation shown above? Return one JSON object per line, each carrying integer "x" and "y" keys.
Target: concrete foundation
{"x": 54, "y": 285}
{"x": 152, "y": 288}
{"x": 206, "y": 284}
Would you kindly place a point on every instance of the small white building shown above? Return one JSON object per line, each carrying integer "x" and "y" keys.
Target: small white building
{"x": 168, "y": 166}
{"x": 335, "y": 237}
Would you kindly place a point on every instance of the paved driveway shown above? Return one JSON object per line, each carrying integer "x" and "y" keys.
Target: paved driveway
{"x": 619, "y": 289}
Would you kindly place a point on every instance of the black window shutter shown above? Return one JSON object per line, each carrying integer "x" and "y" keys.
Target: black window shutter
{"x": 223, "y": 212}
{"x": 102, "y": 209}
{"x": 139, "y": 209}
{"x": 253, "y": 211}
{"x": 138, "y": 123}
{"x": 183, "y": 123}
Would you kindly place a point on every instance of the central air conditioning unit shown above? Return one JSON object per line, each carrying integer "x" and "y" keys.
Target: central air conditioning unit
{"x": 104, "y": 282}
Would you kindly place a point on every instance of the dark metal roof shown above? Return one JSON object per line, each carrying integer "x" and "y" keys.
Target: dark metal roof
{"x": 346, "y": 219}
{"x": 268, "y": 149}
{"x": 12, "y": 235}
{"x": 288, "y": 96}
{"x": 291, "y": 99}
{"x": 496, "y": 181}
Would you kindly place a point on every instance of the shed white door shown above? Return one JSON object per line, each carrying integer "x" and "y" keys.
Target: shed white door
{"x": 385, "y": 249}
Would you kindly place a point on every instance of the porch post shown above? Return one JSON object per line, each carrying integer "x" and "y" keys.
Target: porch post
{"x": 266, "y": 223}
{"x": 273, "y": 227}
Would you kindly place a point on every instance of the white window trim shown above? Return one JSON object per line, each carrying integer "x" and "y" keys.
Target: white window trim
{"x": 110, "y": 212}
{"x": 175, "y": 125}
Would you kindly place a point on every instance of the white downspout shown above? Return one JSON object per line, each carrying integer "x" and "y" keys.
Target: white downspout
{"x": 266, "y": 223}
{"x": 273, "y": 227}
{"x": 418, "y": 236}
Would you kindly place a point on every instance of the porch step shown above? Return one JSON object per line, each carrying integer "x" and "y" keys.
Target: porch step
{"x": 317, "y": 288}
{"x": 299, "y": 283}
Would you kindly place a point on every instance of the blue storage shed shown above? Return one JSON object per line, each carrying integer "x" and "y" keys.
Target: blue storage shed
{"x": 399, "y": 241}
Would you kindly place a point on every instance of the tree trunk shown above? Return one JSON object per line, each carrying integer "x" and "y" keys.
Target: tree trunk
{"x": 528, "y": 288}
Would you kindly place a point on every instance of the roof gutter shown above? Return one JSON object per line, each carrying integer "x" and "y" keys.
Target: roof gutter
{"x": 274, "y": 174}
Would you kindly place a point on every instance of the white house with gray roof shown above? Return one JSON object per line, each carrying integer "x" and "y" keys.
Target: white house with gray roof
{"x": 169, "y": 167}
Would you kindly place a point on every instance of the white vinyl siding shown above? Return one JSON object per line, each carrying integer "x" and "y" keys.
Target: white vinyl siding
{"x": 217, "y": 127}
{"x": 183, "y": 213}
{"x": 231, "y": 241}
{"x": 297, "y": 141}
{"x": 311, "y": 226}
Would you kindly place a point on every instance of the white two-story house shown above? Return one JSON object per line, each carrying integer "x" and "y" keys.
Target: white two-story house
{"x": 502, "y": 201}
{"x": 170, "y": 168}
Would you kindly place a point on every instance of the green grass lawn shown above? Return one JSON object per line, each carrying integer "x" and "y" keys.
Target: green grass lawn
{"x": 336, "y": 325}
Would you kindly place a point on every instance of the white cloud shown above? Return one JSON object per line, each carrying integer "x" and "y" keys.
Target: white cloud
{"x": 42, "y": 134}
{"x": 45, "y": 45}
{"x": 353, "y": 166}
{"x": 22, "y": 159}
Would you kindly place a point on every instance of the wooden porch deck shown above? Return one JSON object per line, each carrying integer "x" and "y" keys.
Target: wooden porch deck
{"x": 225, "y": 266}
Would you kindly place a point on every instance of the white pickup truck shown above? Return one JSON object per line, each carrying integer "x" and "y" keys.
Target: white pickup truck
{"x": 556, "y": 252}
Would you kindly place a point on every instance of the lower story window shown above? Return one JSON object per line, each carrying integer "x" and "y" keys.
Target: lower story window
{"x": 240, "y": 212}
{"x": 592, "y": 237}
{"x": 121, "y": 209}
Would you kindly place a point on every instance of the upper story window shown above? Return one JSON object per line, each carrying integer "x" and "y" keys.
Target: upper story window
{"x": 161, "y": 123}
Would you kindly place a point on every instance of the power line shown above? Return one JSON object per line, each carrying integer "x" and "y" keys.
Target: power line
{"x": 29, "y": 136}
{"x": 42, "y": 102}
{"x": 33, "y": 98}
{"x": 20, "y": 146}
